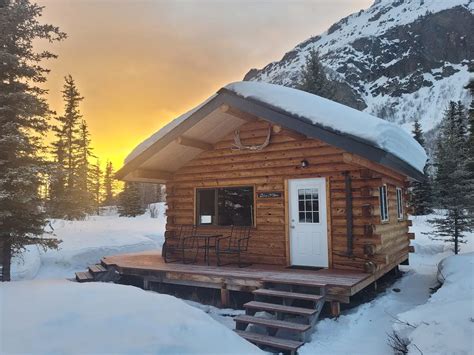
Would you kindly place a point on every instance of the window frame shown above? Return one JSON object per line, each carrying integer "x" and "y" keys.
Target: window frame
{"x": 215, "y": 188}
{"x": 400, "y": 209}
{"x": 384, "y": 208}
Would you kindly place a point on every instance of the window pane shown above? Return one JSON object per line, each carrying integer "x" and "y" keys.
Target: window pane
{"x": 301, "y": 194}
{"x": 308, "y": 205}
{"x": 309, "y": 217}
{"x": 315, "y": 205}
{"x": 235, "y": 206}
{"x": 315, "y": 217}
{"x": 301, "y": 206}
{"x": 206, "y": 209}
{"x": 308, "y": 194}
{"x": 302, "y": 218}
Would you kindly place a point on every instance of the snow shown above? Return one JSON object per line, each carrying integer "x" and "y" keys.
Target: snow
{"x": 162, "y": 132}
{"x": 91, "y": 318}
{"x": 365, "y": 328}
{"x": 86, "y": 242}
{"x": 340, "y": 118}
{"x": 338, "y": 55}
{"x": 71, "y": 318}
{"x": 448, "y": 314}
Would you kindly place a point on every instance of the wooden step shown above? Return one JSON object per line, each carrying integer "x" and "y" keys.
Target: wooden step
{"x": 271, "y": 307}
{"x": 273, "y": 342}
{"x": 97, "y": 269}
{"x": 287, "y": 294}
{"x": 297, "y": 282}
{"x": 272, "y": 323}
{"x": 85, "y": 276}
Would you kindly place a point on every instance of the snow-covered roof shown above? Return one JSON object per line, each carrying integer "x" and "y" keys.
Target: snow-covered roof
{"x": 349, "y": 129}
{"x": 163, "y": 131}
{"x": 334, "y": 116}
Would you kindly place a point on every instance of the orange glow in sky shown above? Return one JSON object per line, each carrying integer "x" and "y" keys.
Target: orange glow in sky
{"x": 140, "y": 63}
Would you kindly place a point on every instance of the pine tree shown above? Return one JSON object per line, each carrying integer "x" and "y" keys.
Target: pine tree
{"x": 84, "y": 169}
{"x": 68, "y": 137}
{"x": 95, "y": 186}
{"x": 421, "y": 191}
{"x": 313, "y": 77}
{"x": 130, "y": 204}
{"x": 23, "y": 123}
{"x": 109, "y": 184}
{"x": 454, "y": 187}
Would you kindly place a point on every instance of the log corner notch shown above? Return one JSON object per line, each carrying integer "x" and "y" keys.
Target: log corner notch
{"x": 349, "y": 216}
{"x": 194, "y": 143}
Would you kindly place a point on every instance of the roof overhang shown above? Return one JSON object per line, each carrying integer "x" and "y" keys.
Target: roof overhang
{"x": 222, "y": 115}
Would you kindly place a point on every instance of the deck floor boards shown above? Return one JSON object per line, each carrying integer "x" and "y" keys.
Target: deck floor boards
{"x": 149, "y": 263}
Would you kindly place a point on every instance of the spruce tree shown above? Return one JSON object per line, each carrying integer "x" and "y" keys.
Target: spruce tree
{"x": 68, "y": 136}
{"x": 313, "y": 77}
{"x": 109, "y": 184}
{"x": 421, "y": 191}
{"x": 95, "y": 186}
{"x": 84, "y": 169}
{"x": 454, "y": 187}
{"x": 130, "y": 204}
{"x": 23, "y": 123}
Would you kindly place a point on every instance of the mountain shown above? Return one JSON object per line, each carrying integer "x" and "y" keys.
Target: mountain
{"x": 399, "y": 59}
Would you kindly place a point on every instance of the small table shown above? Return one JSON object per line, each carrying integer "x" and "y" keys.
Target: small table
{"x": 207, "y": 243}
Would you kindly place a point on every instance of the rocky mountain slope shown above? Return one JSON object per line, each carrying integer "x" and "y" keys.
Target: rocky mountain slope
{"x": 399, "y": 59}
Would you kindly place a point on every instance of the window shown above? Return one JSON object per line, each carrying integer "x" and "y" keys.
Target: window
{"x": 383, "y": 203}
{"x": 308, "y": 205}
{"x": 225, "y": 206}
{"x": 399, "y": 203}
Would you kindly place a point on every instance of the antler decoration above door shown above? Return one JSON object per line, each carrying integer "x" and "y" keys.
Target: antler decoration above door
{"x": 239, "y": 146}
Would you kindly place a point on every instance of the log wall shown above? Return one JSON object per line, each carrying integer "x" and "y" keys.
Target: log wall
{"x": 374, "y": 244}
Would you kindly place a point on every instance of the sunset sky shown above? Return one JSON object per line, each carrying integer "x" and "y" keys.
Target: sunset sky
{"x": 140, "y": 63}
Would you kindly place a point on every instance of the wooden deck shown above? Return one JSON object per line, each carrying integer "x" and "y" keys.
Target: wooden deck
{"x": 341, "y": 284}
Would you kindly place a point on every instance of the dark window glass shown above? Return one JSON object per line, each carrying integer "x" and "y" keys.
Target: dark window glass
{"x": 225, "y": 206}
{"x": 383, "y": 203}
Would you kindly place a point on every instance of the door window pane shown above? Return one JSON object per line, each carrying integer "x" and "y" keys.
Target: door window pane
{"x": 308, "y": 205}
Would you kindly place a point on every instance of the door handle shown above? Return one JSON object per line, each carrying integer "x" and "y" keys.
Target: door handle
{"x": 292, "y": 227}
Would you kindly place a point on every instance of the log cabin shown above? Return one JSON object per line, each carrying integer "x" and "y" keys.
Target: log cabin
{"x": 322, "y": 186}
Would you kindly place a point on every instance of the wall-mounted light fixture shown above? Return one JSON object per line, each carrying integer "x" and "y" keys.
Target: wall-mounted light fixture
{"x": 304, "y": 163}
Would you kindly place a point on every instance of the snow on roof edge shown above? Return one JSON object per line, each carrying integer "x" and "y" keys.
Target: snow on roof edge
{"x": 155, "y": 137}
{"x": 336, "y": 117}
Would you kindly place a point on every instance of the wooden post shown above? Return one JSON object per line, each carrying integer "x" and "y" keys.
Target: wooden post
{"x": 225, "y": 296}
{"x": 335, "y": 308}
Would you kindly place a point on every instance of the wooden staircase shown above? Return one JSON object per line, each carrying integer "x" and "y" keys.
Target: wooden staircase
{"x": 295, "y": 307}
{"x": 98, "y": 272}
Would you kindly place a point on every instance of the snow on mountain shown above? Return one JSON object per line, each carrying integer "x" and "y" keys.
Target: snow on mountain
{"x": 399, "y": 59}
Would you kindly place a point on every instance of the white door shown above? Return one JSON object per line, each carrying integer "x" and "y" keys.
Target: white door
{"x": 308, "y": 222}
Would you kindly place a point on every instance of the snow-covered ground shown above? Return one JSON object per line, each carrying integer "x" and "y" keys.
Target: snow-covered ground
{"x": 86, "y": 242}
{"x": 63, "y": 317}
{"x": 447, "y": 314}
{"x": 95, "y": 315}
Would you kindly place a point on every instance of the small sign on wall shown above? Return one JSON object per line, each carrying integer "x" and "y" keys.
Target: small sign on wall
{"x": 273, "y": 194}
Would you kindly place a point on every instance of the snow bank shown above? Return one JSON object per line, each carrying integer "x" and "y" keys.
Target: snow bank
{"x": 71, "y": 318}
{"x": 340, "y": 118}
{"x": 26, "y": 265}
{"x": 444, "y": 324}
{"x": 86, "y": 242}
